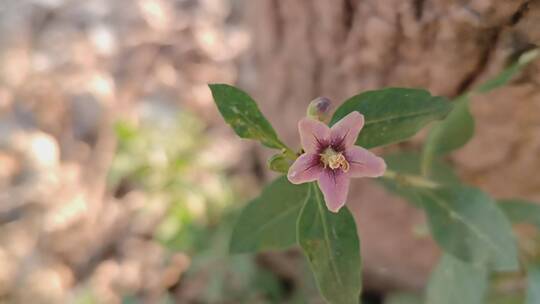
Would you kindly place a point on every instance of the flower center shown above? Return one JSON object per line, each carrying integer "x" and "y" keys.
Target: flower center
{"x": 334, "y": 160}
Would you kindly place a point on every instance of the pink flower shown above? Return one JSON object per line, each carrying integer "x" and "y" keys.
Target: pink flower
{"x": 331, "y": 158}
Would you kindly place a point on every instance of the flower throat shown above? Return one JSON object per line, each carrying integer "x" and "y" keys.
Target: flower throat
{"x": 334, "y": 160}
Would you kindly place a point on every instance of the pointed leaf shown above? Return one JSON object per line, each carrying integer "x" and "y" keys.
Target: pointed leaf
{"x": 241, "y": 112}
{"x": 269, "y": 221}
{"x": 467, "y": 224}
{"x": 393, "y": 114}
{"x": 331, "y": 244}
{"x": 453, "y": 282}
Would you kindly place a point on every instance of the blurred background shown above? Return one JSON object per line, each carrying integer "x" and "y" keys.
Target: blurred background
{"x": 119, "y": 181}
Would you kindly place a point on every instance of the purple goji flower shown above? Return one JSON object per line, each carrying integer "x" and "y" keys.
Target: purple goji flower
{"x": 331, "y": 158}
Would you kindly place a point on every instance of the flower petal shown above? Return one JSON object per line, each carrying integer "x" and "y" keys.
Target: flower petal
{"x": 334, "y": 185}
{"x": 306, "y": 168}
{"x": 346, "y": 130}
{"x": 312, "y": 134}
{"x": 363, "y": 163}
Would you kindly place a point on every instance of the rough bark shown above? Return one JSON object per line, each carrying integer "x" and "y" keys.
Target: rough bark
{"x": 307, "y": 48}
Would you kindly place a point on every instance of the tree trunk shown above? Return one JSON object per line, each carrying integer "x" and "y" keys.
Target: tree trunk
{"x": 308, "y": 48}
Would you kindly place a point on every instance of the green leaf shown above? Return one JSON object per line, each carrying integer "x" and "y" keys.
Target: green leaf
{"x": 393, "y": 114}
{"x": 408, "y": 163}
{"x": 533, "y": 285}
{"x": 506, "y": 75}
{"x": 450, "y": 134}
{"x": 467, "y": 224}
{"x": 242, "y": 113}
{"x": 454, "y": 282}
{"x": 269, "y": 221}
{"x": 519, "y": 211}
{"x": 330, "y": 242}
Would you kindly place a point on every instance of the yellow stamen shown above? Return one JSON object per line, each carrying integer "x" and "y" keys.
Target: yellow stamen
{"x": 334, "y": 160}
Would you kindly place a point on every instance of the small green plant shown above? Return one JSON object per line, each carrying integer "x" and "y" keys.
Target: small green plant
{"x": 307, "y": 207}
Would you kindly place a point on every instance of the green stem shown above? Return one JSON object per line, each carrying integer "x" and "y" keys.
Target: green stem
{"x": 411, "y": 180}
{"x": 427, "y": 160}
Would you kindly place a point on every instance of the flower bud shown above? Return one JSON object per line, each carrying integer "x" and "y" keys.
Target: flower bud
{"x": 319, "y": 108}
{"x": 279, "y": 163}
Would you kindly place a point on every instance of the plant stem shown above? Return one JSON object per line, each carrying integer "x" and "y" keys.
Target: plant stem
{"x": 410, "y": 180}
{"x": 426, "y": 161}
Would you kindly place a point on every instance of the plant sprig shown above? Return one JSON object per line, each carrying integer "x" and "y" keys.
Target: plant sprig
{"x": 472, "y": 229}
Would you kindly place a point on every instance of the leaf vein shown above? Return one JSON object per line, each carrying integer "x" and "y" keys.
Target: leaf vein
{"x": 471, "y": 227}
{"x": 410, "y": 115}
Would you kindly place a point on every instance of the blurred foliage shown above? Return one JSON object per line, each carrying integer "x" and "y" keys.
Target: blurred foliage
{"x": 166, "y": 158}
{"x": 403, "y": 298}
